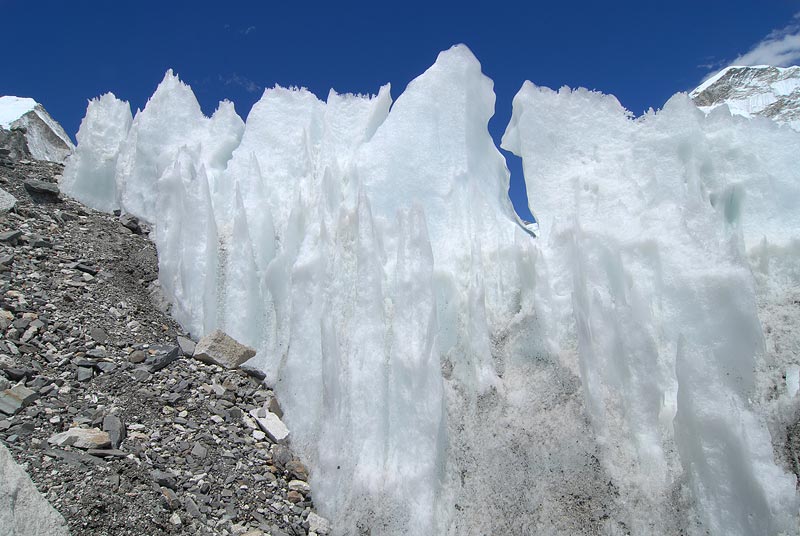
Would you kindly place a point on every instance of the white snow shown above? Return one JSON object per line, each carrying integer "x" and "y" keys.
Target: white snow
{"x": 441, "y": 370}
{"x": 12, "y": 108}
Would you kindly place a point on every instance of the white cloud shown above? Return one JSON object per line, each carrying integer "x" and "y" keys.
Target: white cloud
{"x": 780, "y": 48}
{"x": 242, "y": 81}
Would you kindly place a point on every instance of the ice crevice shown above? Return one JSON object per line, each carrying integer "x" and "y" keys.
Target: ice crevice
{"x": 442, "y": 371}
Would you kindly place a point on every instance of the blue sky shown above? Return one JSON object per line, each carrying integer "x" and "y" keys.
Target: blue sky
{"x": 63, "y": 53}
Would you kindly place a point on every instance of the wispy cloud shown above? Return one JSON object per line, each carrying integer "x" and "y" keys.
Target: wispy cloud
{"x": 243, "y": 31}
{"x": 712, "y": 64}
{"x": 780, "y": 48}
{"x": 241, "y": 81}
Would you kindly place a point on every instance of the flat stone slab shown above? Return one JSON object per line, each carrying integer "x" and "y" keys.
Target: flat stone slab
{"x": 82, "y": 438}
{"x": 219, "y": 348}
{"x": 271, "y": 424}
{"x": 161, "y": 356}
{"x": 14, "y": 399}
{"x": 36, "y": 186}
{"x": 107, "y": 453}
{"x": 10, "y": 237}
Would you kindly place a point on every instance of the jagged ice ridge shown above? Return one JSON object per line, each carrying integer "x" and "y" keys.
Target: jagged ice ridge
{"x": 443, "y": 371}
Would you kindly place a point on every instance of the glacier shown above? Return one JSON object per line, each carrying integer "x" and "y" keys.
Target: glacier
{"x": 633, "y": 369}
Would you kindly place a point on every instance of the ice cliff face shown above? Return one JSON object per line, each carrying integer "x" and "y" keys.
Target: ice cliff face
{"x": 442, "y": 371}
{"x": 46, "y": 139}
{"x": 642, "y": 225}
{"x": 761, "y": 90}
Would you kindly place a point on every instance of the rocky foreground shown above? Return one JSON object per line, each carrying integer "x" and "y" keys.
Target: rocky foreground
{"x": 121, "y": 430}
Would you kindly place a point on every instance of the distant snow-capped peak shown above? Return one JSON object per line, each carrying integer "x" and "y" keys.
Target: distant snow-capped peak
{"x": 759, "y": 90}
{"x": 46, "y": 139}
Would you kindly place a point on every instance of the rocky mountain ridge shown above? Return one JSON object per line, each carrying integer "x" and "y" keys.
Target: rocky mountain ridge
{"x": 761, "y": 90}
{"x": 45, "y": 138}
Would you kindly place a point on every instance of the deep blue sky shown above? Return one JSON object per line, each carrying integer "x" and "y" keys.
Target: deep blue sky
{"x": 63, "y": 53}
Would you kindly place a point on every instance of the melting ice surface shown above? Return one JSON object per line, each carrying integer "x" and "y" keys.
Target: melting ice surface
{"x": 442, "y": 371}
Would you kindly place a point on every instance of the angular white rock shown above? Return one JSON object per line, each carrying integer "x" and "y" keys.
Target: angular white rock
{"x": 271, "y": 424}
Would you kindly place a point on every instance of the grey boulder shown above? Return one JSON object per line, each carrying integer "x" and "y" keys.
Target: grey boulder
{"x": 42, "y": 188}
{"x": 7, "y": 201}
{"x": 219, "y": 348}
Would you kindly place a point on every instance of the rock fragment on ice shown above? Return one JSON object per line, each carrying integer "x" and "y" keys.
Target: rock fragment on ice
{"x": 271, "y": 424}
{"x": 219, "y": 348}
{"x": 299, "y": 485}
{"x": 274, "y": 406}
{"x": 131, "y": 222}
{"x": 318, "y": 524}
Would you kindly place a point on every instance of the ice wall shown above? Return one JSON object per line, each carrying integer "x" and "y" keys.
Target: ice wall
{"x": 642, "y": 224}
{"x": 89, "y": 175}
{"x": 442, "y": 372}
{"x": 172, "y": 121}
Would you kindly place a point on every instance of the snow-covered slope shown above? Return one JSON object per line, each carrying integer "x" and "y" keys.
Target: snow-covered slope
{"x": 759, "y": 90}
{"x": 46, "y": 138}
{"x": 444, "y": 372}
